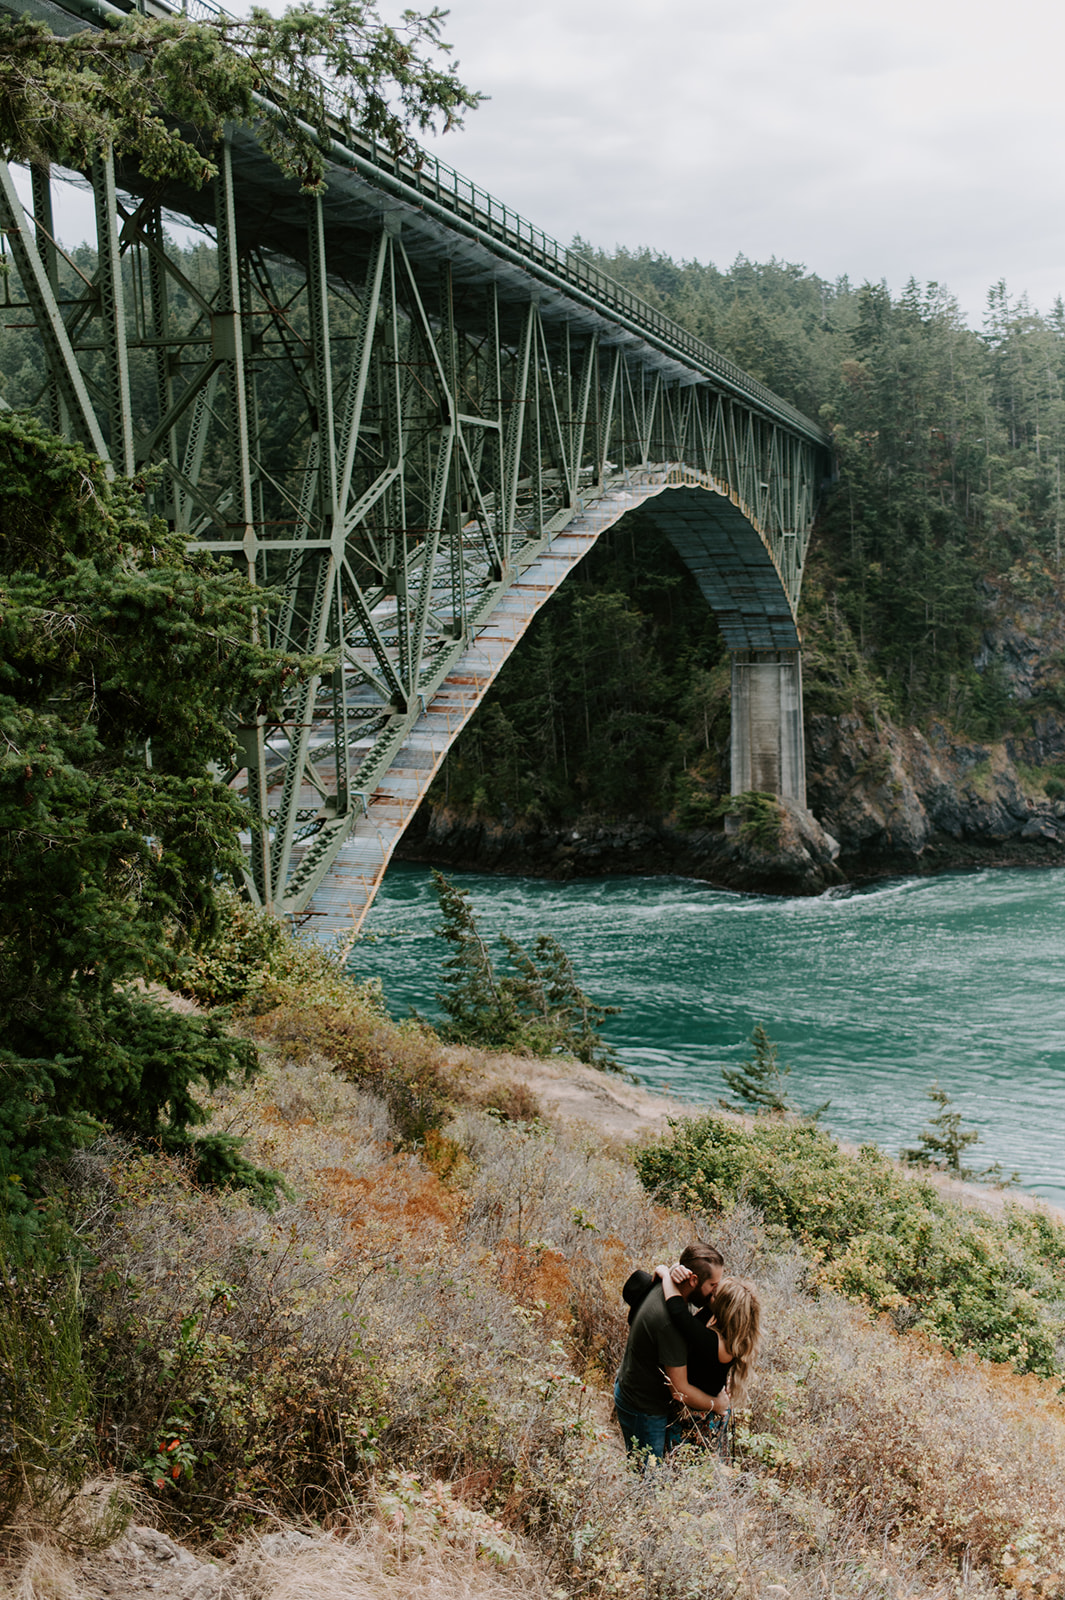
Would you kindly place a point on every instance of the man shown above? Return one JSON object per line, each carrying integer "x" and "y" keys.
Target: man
{"x": 656, "y": 1356}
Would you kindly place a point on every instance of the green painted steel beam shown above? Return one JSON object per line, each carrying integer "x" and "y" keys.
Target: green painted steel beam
{"x": 413, "y": 423}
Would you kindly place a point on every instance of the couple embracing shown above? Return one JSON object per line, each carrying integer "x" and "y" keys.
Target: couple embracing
{"x": 693, "y": 1335}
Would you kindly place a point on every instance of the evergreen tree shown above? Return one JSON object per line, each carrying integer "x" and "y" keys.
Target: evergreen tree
{"x": 540, "y": 1007}
{"x": 478, "y": 1008}
{"x": 548, "y": 994}
{"x": 944, "y": 1139}
{"x": 132, "y": 85}
{"x": 760, "y": 1081}
{"x": 124, "y": 666}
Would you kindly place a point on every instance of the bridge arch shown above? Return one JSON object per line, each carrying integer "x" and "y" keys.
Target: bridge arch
{"x": 413, "y": 413}
{"x": 734, "y": 565}
{"x": 736, "y": 569}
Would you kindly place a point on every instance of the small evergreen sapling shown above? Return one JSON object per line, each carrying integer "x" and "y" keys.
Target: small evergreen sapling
{"x": 540, "y": 1007}
{"x": 760, "y": 1081}
{"x": 944, "y": 1140}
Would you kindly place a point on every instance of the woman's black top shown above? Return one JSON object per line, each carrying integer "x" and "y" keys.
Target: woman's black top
{"x": 706, "y": 1370}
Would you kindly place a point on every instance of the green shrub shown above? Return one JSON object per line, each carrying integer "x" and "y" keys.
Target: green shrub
{"x": 761, "y": 819}
{"x": 881, "y": 1238}
{"x": 46, "y": 1433}
{"x": 402, "y": 1063}
{"x": 696, "y": 806}
{"x": 253, "y": 955}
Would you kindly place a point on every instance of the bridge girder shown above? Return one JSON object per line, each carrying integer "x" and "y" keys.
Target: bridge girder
{"x": 413, "y": 437}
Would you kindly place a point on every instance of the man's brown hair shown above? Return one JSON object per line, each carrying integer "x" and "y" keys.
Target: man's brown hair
{"x": 701, "y": 1259}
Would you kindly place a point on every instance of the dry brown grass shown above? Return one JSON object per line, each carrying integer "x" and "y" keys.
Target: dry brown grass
{"x": 438, "y": 1551}
{"x": 377, "y": 1567}
{"x": 43, "y": 1570}
{"x": 943, "y": 1466}
{"x": 701, "y": 1529}
{"x": 454, "y": 1317}
{"x": 962, "y": 1456}
{"x": 891, "y": 1446}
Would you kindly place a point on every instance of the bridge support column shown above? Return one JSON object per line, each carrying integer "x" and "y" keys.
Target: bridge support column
{"x": 767, "y": 733}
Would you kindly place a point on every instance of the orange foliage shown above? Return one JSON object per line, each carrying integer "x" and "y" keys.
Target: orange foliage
{"x": 537, "y": 1277}
{"x": 413, "y": 1204}
{"x": 278, "y": 1119}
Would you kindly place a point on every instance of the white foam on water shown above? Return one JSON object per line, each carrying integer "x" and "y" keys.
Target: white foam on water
{"x": 870, "y": 994}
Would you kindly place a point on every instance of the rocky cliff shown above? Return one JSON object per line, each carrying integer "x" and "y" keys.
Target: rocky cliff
{"x": 902, "y": 800}
{"x": 884, "y": 799}
{"x": 911, "y": 799}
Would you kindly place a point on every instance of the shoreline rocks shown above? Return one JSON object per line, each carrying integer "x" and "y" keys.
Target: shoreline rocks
{"x": 883, "y": 802}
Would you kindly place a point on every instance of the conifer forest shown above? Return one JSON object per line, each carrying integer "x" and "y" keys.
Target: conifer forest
{"x": 950, "y": 441}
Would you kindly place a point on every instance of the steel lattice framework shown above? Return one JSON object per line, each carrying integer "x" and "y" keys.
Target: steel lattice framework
{"x": 412, "y": 414}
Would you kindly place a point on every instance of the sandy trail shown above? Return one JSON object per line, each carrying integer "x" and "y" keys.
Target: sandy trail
{"x": 623, "y": 1113}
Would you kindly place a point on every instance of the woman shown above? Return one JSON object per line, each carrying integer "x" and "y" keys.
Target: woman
{"x": 720, "y": 1356}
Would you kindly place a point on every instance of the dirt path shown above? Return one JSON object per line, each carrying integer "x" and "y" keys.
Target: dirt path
{"x": 570, "y": 1091}
{"x": 623, "y": 1113}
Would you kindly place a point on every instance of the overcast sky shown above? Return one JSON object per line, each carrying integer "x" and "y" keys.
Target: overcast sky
{"x": 923, "y": 137}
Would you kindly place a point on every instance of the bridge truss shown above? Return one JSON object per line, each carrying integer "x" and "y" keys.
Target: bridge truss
{"x": 409, "y": 415}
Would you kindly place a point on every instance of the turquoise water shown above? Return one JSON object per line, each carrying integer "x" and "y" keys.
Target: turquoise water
{"x": 870, "y": 994}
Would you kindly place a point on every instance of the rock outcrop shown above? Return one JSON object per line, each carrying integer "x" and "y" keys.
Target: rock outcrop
{"x": 903, "y": 800}
{"x": 801, "y": 860}
{"x": 883, "y": 799}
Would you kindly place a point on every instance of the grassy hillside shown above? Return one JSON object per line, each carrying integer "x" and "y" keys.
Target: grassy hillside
{"x": 412, "y": 1353}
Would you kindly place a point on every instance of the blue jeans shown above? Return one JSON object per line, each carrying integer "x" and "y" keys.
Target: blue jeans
{"x": 641, "y": 1430}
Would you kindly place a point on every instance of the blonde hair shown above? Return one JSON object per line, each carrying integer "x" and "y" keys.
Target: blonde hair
{"x": 737, "y": 1318}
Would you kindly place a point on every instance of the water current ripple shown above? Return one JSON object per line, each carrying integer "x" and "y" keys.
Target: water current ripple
{"x": 870, "y": 994}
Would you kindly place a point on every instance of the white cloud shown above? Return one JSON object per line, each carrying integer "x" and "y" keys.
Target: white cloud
{"x": 923, "y": 138}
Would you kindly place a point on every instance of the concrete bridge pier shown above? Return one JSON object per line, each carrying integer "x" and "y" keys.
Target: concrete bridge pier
{"x": 767, "y": 732}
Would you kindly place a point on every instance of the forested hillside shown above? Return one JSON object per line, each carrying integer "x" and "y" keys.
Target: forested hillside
{"x": 934, "y": 653}
{"x": 930, "y": 600}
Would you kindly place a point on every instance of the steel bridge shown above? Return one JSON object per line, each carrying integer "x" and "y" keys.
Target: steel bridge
{"x": 412, "y": 413}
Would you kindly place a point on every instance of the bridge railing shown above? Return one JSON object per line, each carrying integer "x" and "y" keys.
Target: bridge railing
{"x": 426, "y": 175}
{"x": 433, "y": 178}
